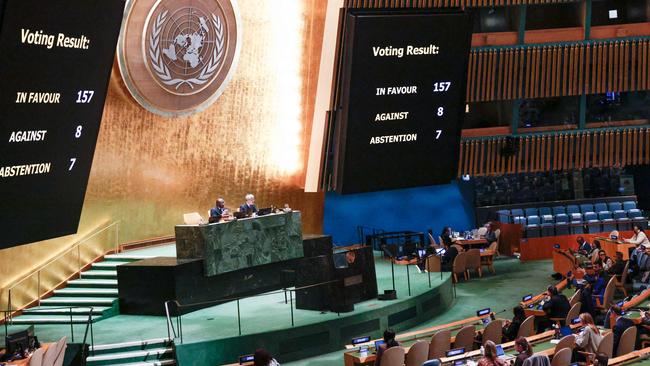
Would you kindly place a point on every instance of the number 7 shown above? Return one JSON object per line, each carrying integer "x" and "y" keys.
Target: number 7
{"x": 72, "y": 161}
{"x": 438, "y": 134}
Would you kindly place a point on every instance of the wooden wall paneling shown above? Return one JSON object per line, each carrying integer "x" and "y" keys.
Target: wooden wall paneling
{"x": 520, "y": 155}
{"x": 641, "y": 146}
{"x": 466, "y": 159}
{"x": 542, "y": 154}
{"x": 565, "y": 68}
{"x": 553, "y": 76}
{"x": 596, "y": 147}
{"x": 565, "y": 153}
{"x": 538, "y": 163}
{"x": 518, "y": 65}
{"x": 543, "y": 73}
{"x": 499, "y": 75}
{"x": 625, "y": 85}
{"x": 616, "y": 74}
{"x": 577, "y": 70}
{"x": 556, "y": 145}
{"x": 508, "y": 72}
{"x": 624, "y": 161}
{"x": 635, "y": 147}
{"x": 611, "y": 148}
{"x": 600, "y": 64}
{"x": 485, "y": 80}
{"x": 594, "y": 69}
{"x": 472, "y": 149}
{"x": 493, "y": 79}
{"x": 644, "y": 67}
{"x": 527, "y": 75}
{"x": 470, "y": 81}
{"x": 571, "y": 72}
{"x": 581, "y": 70}
{"x": 537, "y": 72}
{"x": 633, "y": 52}
{"x": 630, "y": 146}
{"x": 606, "y": 150}
{"x": 617, "y": 148}
{"x": 587, "y": 62}
{"x": 609, "y": 51}
{"x": 583, "y": 150}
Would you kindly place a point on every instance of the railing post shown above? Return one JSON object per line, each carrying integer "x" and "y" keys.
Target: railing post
{"x": 71, "y": 326}
{"x": 291, "y": 300}
{"x": 238, "y": 317}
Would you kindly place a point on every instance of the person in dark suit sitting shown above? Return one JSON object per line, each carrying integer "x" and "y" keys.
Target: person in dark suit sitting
{"x": 583, "y": 246}
{"x": 619, "y": 265}
{"x": 218, "y": 210}
{"x": 621, "y": 324}
{"x": 556, "y": 307}
{"x": 511, "y": 328}
{"x": 249, "y": 207}
{"x": 447, "y": 260}
{"x": 445, "y": 236}
{"x": 389, "y": 342}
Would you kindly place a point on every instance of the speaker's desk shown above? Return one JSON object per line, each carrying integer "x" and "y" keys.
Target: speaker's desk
{"x": 243, "y": 243}
{"x": 611, "y": 246}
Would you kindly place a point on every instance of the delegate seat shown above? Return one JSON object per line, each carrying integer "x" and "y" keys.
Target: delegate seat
{"x": 561, "y": 224}
{"x": 557, "y": 210}
{"x": 614, "y": 206}
{"x": 465, "y": 338}
{"x": 586, "y": 207}
{"x": 629, "y": 205}
{"x": 640, "y": 222}
{"x": 600, "y": 206}
{"x": 533, "y": 228}
{"x": 520, "y": 220}
{"x": 504, "y": 216}
{"x": 393, "y": 356}
{"x": 531, "y": 211}
{"x": 440, "y": 344}
{"x": 623, "y": 223}
{"x": 576, "y": 223}
{"x": 547, "y": 229}
{"x": 517, "y": 212}
{"x": 571, "y": 209}
{"x": 593, "y": 224}
{"x": 548, "y": 219}
{"x": 417, "y": 354}
{"x": 545, "y": 211}
{"x": 608, "y": 223}
{"x": 634, "y": 213}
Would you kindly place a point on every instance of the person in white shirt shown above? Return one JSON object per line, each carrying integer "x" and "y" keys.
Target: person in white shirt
{"x": 639, "y": 237}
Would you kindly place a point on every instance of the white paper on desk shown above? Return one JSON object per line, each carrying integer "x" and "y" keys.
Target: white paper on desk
{"x": 555, "y": 341}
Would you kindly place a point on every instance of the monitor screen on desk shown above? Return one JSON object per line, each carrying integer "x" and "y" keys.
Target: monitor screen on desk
{"x": 500, "y": 350}
{"x": 455, "y": 352}
{"x": 360, "y": 340}
{"x": 378, "y": 344}
{"x": 527, "y": 298}
{"x": 246, "y": 358}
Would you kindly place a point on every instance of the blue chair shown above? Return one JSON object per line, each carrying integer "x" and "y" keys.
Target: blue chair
{"x": 561, "y": 219}
{"x": 593, "y": 224}
{"x": 590, "y": 216}
{"x": 586, "y": 207}
{"x": 609, "y": 225}
{"x": 571, "y": 209}
{"x": 604, "y": 215}
{"x": 623, "y": 223}
{"x": 559, "y": 210}
{"x": 614, "y": 206}
{"x": 545, "y": 211}
{"x": 504, "y": 216}
{"x": 619, "y": 214}
{"x": 517, "y": 212}
{"x": 533, "y": 220}
{"x": 548, "y": 219}
{"x": 600, "y": 206}
{"x": 562, "y": 228}
{"x": 629, "y": 205}
{"x": 548, "y": 229}
{"x": 520, "y": 220}
{"x": 634, "y": 213}
{"x": 531, "y": 211}
{"x": 576, "y": 225}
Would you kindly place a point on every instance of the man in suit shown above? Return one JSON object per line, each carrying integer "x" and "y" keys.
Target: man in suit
{"x": 583, "y": 246}
{"x": 218, "y": 210}
{"x": 249, "y": 207}
{"x": 556, "y": 306}
{"x": 619, "y": 265}
{"x": 447, "y": 259}
{"x": 621, "y": 324}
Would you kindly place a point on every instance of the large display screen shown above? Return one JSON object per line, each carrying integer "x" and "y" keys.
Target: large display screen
{"x": 401, "y": 99}
{"x": 55, "y": 62}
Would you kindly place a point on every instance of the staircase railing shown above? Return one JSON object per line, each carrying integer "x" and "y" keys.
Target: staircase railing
{"x": 30, "y": 289}
{"x": 89, "y": 325}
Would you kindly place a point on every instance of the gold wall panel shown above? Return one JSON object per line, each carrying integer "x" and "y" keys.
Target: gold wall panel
{"x": 148, "y": 171}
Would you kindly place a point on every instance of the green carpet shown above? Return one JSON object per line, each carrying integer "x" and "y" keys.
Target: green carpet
{"x": 504, "y": 290}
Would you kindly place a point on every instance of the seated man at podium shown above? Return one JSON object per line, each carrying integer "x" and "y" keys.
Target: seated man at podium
{"x": 249, "y": 207}
{"x": 218, "y": 211}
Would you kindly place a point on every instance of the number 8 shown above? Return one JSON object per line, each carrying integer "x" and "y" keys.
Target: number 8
{"x": 441, "y": 111}
{"x": 77, "y": 134}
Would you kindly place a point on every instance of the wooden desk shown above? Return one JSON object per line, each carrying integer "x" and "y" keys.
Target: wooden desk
{"x": 25, "y": 361}
{"x": 353, "y": 357}
{"x": 469, "y": 243}
{"x": 434, "y": 263}
{"x": 611, "y": 246}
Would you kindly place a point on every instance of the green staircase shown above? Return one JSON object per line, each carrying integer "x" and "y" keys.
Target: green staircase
{"x": 152, "y": 352}
{"x": 96, "y": 287}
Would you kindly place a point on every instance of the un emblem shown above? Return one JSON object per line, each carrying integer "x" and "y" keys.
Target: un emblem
{"x": 177, "y": 56}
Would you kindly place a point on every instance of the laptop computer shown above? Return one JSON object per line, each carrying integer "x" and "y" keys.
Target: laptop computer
{"x": 502, "y": 355}
{"x": 264, "y": 211}
{"x": 240, "y": 215}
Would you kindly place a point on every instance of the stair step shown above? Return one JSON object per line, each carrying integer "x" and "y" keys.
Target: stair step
{"x": 143, "y": 344}
{"x": 140, "y": 355}
{"x": 86, "y": 292}
{"x": 148, "y": 363}
{"x": 54, "y": 310}
{"x": 78, "y": 301}
{"x": 126, "y": 257}
{"x": 51, "y": 319}
{"x": 97, "y": 283}
{"x": 108, "y": 264}
{"x": 99, "y": 274}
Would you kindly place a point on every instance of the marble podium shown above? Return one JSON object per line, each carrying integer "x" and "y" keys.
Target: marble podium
{"x": 244, "y": 243}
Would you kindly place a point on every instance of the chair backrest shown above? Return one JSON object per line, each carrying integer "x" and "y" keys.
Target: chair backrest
{"x": 566, "y": 342}
{"x": 417, "y": 354}
{"x": 432, "y": 241}
{"x": 440, "y": 344}
{"x": 561, "y": 218}
{"x": 575, "y": 298}
{"x": 608, "y": 297}
{"x": 459, "y": 248}
{"x": 624, "y": 274}
{"x": 393, "y": 356}
{"x": 606, "y": 345}
{"x": 37, "y": 357}
{"x": 465, "y": 338}
{"x": 481, "y": 231}
{"x": 497, "y": 233}
{"x": 602, "y": 215}
{"x": 561, "y": 358}
{"x": 531, "y": 211}
{"x": 586, "y": 207}
{"x": 61, "y": 347}
{"x": 493, "y": 332}
{"x": 600, "y": 206}
{"x": 571, "y": 209}
{"x": 613, "y": 206}
{"x": 626, "y": 344}
{"x": 573, "y": 313}
{"x": 559, "y": 210}
{"x": 576, "y": 217}
{"x": 460, "y": 263}
{"x": 473, "y": 260}
{"x": 537, "y": 360}
{"x": 50, "y": 355}
{"x": 629, "y": 205}
{"x": 545, "y": 211}
{"x": 590, "y": 216}
{"x": 533, "y": 220}
{"x": 527, "y": 328}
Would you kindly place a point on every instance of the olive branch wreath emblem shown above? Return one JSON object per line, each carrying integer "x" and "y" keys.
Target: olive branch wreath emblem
{"x": 162, "y": 71}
